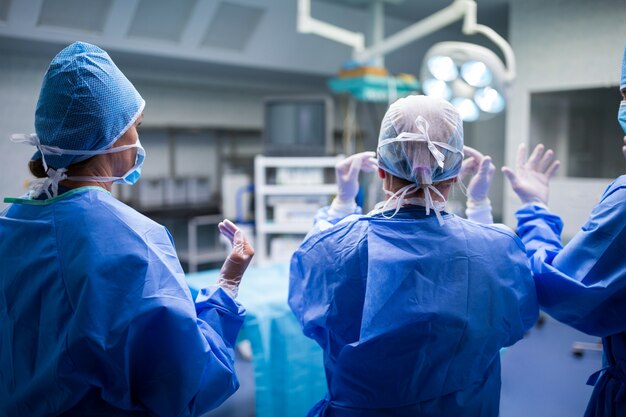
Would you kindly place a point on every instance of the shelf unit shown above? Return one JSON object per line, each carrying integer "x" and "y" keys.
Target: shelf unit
{"x": 266, "y": 227}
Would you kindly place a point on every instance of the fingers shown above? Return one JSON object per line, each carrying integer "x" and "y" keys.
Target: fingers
{"x": 228, "y": 229}
{"x": 468, "y": 166}
{"x": 510, "y": 175}
{"x": 368, "y": 160}
{"x": 624, "y": 147}
{"x": 355, "y": 167}
{"x": 535, "y": 157}
{"x": 553, "y": 168}
{"x": 473, "y": 153}
{"x": 545, "y": 160}
{"x": 486, "y": 168}
{"x": 370, "y": 164}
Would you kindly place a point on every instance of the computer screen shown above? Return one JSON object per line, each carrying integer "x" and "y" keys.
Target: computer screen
{"x": 298, "y": 126}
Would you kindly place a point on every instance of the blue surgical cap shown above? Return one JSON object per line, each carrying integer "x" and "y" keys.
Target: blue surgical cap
{"x": 421, "y": 140}
{"x": 85, "y": 103}
{"x": 622, "y": 84}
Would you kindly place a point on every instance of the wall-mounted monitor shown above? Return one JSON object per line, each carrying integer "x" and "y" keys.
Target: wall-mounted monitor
{"x": 298, "y": 126}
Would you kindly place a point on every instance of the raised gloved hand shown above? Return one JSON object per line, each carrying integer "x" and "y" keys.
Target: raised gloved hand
{"x": 237, "y": 261}
{"x": 481, "y": 169}
{"x": 624, "y": 147}
{"x": 347, "y": 172}
{"x": 531, "y": 177}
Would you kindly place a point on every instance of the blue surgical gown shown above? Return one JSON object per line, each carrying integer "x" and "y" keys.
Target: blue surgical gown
{"x": 411, "y": 315}
{"x": 96, "y": 317}
{"x": 584, "y": 284}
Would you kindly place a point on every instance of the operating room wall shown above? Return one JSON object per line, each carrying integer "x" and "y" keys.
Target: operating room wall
{"x": 562, "y": 45}
{"x": 192, "y": 104}
{"x": 20, "y": 78}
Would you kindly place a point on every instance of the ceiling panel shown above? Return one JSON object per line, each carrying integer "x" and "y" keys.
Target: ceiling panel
{"x": 161, "y": 19}
{"x": 84, "y": 15}
{"x": 4, "y": 9}
{"x": 232, "y": 26}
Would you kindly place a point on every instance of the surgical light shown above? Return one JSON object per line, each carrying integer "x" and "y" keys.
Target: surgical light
{"x": 476, "y": 73}
{"x": 478, "y": 88}
{"x": 443, "y": 68}
{"x": 489, "y": 100}
{"x": 467, "y": 108}
{"x": 437, "y": 88}
{"x": 467, "y": 74}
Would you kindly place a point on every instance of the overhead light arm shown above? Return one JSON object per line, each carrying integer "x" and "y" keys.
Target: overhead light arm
{"x": 459, "y": 9}
{"x": 416, "y": 31}
{"x": 507, "y": 51}
{"x": 307, "y": 24}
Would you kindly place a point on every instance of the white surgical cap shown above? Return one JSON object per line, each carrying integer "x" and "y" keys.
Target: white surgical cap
{"x": 421, "y": 140}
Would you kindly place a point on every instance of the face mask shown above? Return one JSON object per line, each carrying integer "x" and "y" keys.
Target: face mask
{"x": 55, "y": 176}
{"x": 133, "y": 174}
{"x": 130, "y": 177}
{"x": 621, "y": 115}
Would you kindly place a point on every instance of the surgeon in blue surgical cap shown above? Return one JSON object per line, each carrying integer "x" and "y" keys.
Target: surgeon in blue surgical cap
{"x": 583, "y": 283}
{"x": 95, "y": 314}
{"x": 411, "y": 304}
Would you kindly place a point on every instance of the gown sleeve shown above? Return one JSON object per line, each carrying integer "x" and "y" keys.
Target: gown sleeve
{"x": 584, "y": 283}
{"x": 145, "y": 342}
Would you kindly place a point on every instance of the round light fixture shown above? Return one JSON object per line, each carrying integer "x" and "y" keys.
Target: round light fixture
{"x": 471, "y": 77}
{"x": 443, "y": 68}
{"x": 476, "y": 73}
{"x": 489, "y": 100}
{"x": 437, "y": 88}
{"x": 467, "y": 109}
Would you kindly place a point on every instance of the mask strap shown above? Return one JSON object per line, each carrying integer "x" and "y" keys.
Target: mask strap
{"x": 430, "y": 202}
{"x": 33, "y": 140}
{"x": 51, "y": 183}
{"x": 396, "y": 198}
{"x": 93, "y": 179}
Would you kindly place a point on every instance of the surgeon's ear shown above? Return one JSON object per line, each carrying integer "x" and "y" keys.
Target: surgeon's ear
{"x": 381, "y": 173}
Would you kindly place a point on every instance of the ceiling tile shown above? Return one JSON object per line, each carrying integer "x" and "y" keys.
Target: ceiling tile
{"x": 75, "y": 14}
{"x": 232, "y": 26}
{"x": 161, "y": 19}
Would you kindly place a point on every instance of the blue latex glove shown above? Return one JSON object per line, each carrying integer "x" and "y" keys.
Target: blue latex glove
{"x": 347, "y": 172}
{"x": 530, "y": 181}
